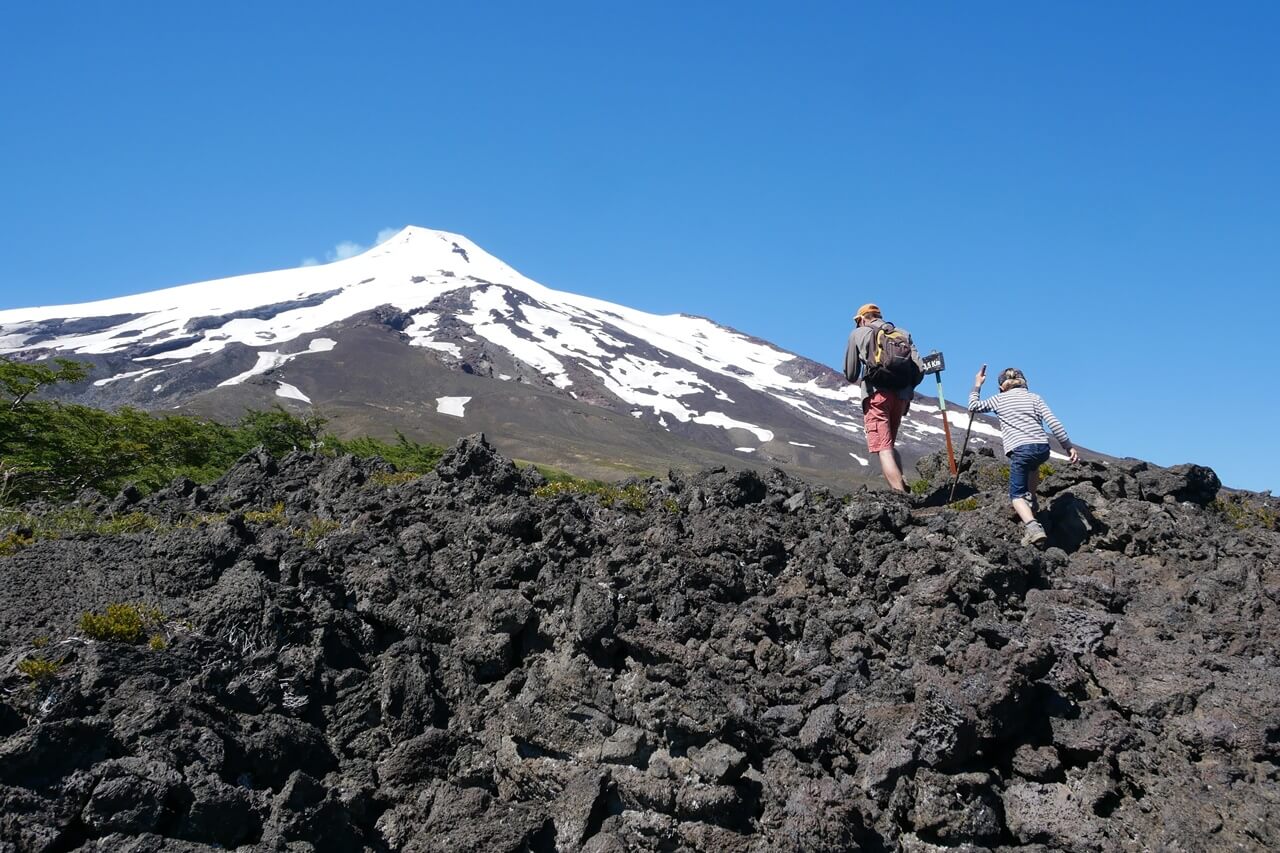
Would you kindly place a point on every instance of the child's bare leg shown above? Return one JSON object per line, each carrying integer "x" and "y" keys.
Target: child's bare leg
{"x": 1023, "y": 509}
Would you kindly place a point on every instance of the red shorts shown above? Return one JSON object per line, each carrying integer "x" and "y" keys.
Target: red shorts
{"x": 882, "y": 415}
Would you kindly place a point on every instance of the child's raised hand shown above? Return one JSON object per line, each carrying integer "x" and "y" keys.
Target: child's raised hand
{"x": 1074, "y": 455}
{"x": 981, "y": 377}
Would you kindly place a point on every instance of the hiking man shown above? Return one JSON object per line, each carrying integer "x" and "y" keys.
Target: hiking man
{"x": 882, "y": 359}
{"x": 1023, "y": 417}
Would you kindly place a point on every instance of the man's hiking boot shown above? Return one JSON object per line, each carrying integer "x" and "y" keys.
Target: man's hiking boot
{"x": 1033, "y": 534}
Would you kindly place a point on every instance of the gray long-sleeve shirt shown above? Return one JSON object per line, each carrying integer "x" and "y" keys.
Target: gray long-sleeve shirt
{"x": 858, "y": 352}
{"x": 1023, "y": 416}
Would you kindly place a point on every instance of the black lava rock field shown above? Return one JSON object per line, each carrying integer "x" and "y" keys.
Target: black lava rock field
{"x": 321, "y": 654}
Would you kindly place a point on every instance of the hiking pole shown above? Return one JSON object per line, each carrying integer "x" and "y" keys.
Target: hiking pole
{"x": 963, "y": 448}
{"x": 934, "y": 363}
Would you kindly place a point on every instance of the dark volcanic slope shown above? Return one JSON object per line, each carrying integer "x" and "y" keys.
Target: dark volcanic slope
{"x": 743, "y": 664}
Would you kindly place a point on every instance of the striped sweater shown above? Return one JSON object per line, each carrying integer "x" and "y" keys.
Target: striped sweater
{"x": 1022, "y": 418}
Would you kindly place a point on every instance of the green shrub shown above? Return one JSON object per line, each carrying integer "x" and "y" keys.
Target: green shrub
{"x": 61, "y": 523}
{"x": 631, "y": 497}
{"x": 671, "y": 505}
{"x": 634, "y": 497}
{"x": 390, "y": 479}
{"x": 1243, "y": 514}
{"x": 404, "y": 453}
{"x": 54, "y": 450}
{"x": 134, "y": 522}
{"x": 966, "y": 505}
{"x": 317, "y": 529}
{"x": 569, "y": 487}
{"x": 157, "y": 643}
{"x": 12, "y": 543}
{"x": 123, "y": 623}
{"x": 39, "y": 669}
{"x": 273, "y": 517}
{"x": 919, "y": 487}
{"x": 71, "y": 521}
{"x": 1046, "y": 470}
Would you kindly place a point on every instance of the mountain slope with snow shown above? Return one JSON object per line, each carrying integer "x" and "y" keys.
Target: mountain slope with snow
{"x": 470, "y": 325}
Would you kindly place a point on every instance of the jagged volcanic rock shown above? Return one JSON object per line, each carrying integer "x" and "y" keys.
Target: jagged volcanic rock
{"x": 722, "y": 661}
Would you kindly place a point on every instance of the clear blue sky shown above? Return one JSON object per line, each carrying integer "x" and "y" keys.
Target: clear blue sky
{"x": 1088, "y": 191}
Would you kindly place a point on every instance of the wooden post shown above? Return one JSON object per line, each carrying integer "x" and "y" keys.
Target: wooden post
{"x": 946, "y": 425}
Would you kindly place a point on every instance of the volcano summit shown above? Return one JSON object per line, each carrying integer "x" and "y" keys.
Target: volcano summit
{"x": 429, "y": 334}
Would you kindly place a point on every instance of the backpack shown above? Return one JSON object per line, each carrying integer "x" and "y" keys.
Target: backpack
{"x": 889, "y": 361}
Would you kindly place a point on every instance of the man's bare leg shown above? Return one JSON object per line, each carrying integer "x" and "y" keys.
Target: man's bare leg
{"x": 891, "y": 467}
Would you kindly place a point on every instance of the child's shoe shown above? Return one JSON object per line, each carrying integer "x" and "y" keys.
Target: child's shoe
{"x": 1033, "y": 534}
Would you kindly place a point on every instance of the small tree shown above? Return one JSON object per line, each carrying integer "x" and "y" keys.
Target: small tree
{"x": 279, "y": 431}
{"x": 20, "y": 380}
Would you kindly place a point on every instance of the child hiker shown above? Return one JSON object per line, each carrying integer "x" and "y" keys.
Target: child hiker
{"x": 1023, "y": 416}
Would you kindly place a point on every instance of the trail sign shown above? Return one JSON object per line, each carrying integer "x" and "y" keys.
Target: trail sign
{"x": 934, "y": 363}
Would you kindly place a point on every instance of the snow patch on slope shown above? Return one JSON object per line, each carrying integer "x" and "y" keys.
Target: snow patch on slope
{"x": 291, "y": 392}
{"x": 455, "y": 406}
{"x": 266, "y": 361}
{"x": 489, "y": 321}
{"x": 271, "y": 359}
{"x": 101, "y": 382}
{"x": 719, "y": 419}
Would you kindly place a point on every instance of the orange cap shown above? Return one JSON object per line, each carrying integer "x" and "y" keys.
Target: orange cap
{"x": 869, "y": 310}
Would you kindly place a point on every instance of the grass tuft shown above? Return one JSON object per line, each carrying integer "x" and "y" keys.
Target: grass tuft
{"x": 390, "y": 479}
{"x": 39, "y": 669}
{"x": 1243, "y": 515}
{"x": 194, "y": 521}
{"x": 317, "y": 529}
{"x": 629, "y": 497}
{"x": 919, "y": 487}
{"x": 121, "y": 623}
{"x": 273, "y": 517}
{"x": 13, "y": 542}
{"x": 69, "y": 522}
{"x": 966, "y": 505}
{"x": 134, "y": 522}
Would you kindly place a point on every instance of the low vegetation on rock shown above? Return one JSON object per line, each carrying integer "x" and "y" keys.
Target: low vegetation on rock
{"x": 39, "y": 669}
{"x": 122, "y": 623}
{"x": 630, "y": 496}
{"x": 53, "y": 451}
{"x": 1245, "y": 511}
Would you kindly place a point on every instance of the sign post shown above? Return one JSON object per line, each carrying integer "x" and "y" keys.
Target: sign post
{"x": 934, "y": 363}
{"x": 963, "y": 447}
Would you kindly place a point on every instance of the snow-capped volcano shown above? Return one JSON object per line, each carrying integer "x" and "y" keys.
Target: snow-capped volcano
{"x": 536, "y": 367}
